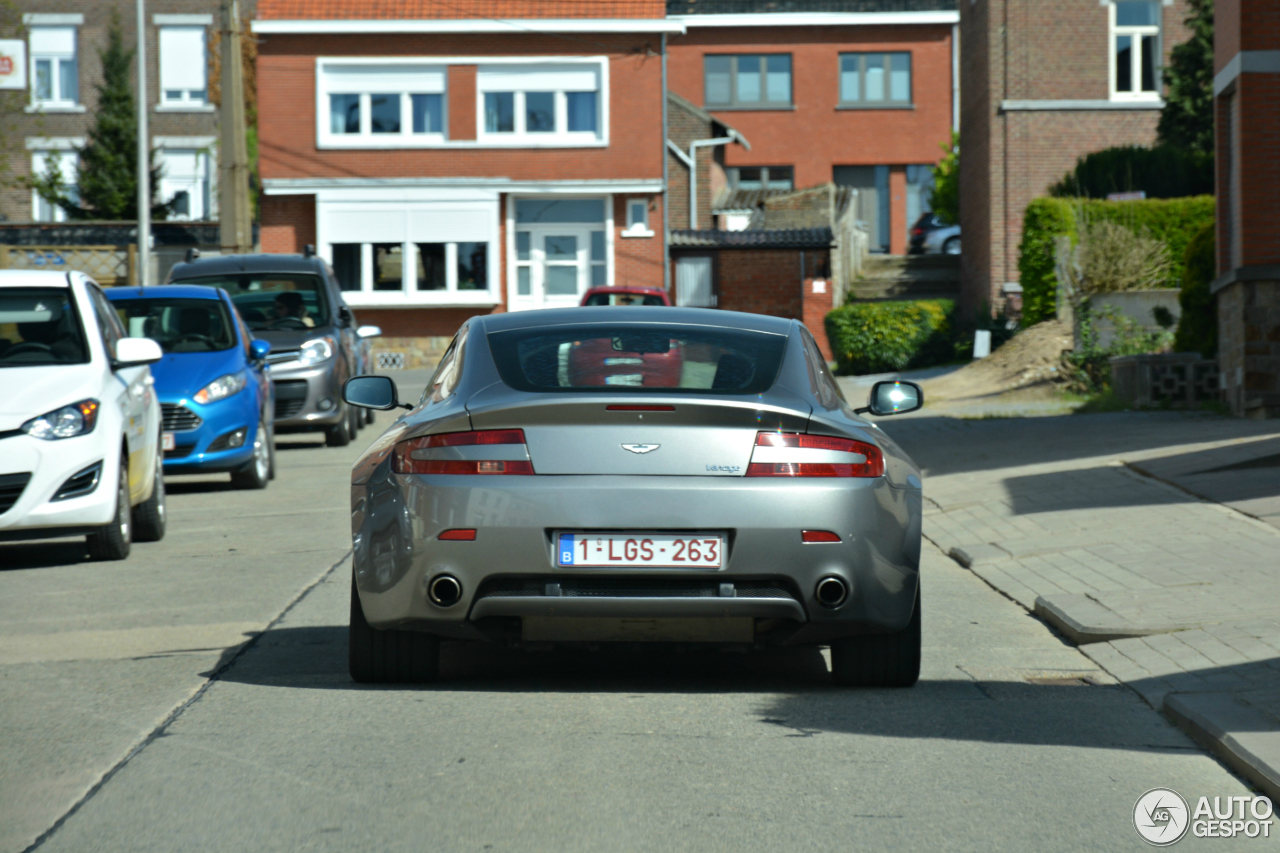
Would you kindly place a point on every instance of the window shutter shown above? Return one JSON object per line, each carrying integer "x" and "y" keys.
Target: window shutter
{"x": 53, "y": 41}
{"x": 538, "y": 78}
{"x": 182, "y": 58}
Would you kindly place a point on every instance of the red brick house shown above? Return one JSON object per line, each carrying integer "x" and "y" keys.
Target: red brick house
{"x": 1041, "y": 85}
{"x": 450, "y": 159}
{"x": 1246, "y": 88}
{"x": 862, "y": 92}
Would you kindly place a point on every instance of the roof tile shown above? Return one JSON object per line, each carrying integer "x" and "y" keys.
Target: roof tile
{"x": 365, "y": 10}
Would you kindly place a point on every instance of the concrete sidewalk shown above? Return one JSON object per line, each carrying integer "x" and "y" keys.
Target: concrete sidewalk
{"x": 1151, "y": 540}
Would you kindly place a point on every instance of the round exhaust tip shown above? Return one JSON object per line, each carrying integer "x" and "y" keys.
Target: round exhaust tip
{"x": 444, "y": 590}
{"x": 831, "y": 591}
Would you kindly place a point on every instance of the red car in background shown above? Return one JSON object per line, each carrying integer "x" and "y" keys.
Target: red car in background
{"x": 599, "y": 362}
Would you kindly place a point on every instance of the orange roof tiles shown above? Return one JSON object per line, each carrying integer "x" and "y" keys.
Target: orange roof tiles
{"x": 364, "y": 10}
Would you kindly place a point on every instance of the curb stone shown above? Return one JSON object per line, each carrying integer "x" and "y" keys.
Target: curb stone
{"x": 1083, "y": 620}
{"x": 1244, "y": 737}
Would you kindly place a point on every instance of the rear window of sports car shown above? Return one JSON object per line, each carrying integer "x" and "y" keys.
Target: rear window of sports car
{"x": 637, "y": 358}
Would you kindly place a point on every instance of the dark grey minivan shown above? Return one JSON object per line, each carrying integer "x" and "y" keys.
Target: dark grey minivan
{"x": 294, "y": 302}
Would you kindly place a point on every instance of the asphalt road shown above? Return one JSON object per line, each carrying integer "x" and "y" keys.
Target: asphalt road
{"x": 114, "y": 737}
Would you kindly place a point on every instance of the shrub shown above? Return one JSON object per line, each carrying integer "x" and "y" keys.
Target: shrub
{"x": 1198, "y": 326}
{"x": 1109, "y": 258}
{"x": 1171, "y": 221}
{"x": 1044, "y": 221}
{"x": 877, "y": 337}
{"x": 1165, "y": 171}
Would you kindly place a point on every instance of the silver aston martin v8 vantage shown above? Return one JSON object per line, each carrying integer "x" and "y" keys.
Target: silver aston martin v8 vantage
{"x": 629, "y": 474}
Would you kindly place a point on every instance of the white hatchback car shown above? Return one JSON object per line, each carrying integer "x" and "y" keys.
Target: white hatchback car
{"x": 79, "y": 422}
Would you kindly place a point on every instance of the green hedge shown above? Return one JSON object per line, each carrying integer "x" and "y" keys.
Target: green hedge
{"x": 1174, "y": 221}
{"x": 878, "y": 337}
{"x": 1198, "y": 326}
{"x": 1164, "y": 171}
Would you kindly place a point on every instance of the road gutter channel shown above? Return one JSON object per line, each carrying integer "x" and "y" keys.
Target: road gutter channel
{"x": 181, "y": 707}
{"x": 1228, "y": 728}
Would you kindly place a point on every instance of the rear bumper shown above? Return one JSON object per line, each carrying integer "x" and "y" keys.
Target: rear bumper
{"x": 396, "y": 551}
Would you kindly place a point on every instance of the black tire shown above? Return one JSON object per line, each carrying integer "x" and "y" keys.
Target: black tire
{"x": 256, "y": 473}
{"x": 271, "y": 430}
{"x": 879, "y": 660}
{"x": 952, "y": 246}
{"x": 114, "y": 541}
{"x": 389, "y": 657}
{"x": 150, "y": 516}
{"x": 339, "y": 435}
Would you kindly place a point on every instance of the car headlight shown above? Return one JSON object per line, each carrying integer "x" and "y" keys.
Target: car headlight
{"x": 316, "y": 351}
{"x": 67, "y": 422}
{"x": 221, "y": 388}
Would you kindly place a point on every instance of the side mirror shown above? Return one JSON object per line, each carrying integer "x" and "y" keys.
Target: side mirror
{"x": 133, "y": 352}
{"x": 258, "y": 349}
{"x": 372, "y": 392}
{"x": 369, "y": 331}
{"x": 344, "y": 314}
{"x": 894, "y": 398}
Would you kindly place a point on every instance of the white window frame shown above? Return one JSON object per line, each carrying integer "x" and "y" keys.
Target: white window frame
{"x": 55, "y": 103}
{"x": 1135, "y": 56}
{"x": 205, "y": 146}
{"x": 327, "y": 85}
{"x": 561, "y": 137}
{"x": 41, "y": 148}
{"x": 184, "y": 102}
{"x": 384, "y": 202}
{"x": 406, "y": 139}
{"x": 637, "y": 227}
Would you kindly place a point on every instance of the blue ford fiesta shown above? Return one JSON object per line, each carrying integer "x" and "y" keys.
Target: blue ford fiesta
{"x": 217, "y": 400}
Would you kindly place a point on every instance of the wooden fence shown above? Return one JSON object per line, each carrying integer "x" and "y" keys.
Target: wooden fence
{"x": 108, "y": 265}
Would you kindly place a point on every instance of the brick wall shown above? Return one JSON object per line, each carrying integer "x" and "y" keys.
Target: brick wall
{"x": 288, "y": 223}
{"x": 286, "y": 81}
{"x": 638, "y": 260}
{"x": 15, "y": 202}
{"x": 815, "y": 136}
{"x": 1258, "y": 99}
{"x": 1032, "y": 50}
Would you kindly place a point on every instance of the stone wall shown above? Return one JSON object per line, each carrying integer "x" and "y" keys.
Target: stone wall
{"x": 1249, "y": 347}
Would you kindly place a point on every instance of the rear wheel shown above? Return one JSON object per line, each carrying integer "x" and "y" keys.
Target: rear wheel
{"x": 879, "y": 660}
{"x": 389, "y": 657}
{"x": 113, "y": 541}
{"x": 951, "y": 247}
{"x": 149, "y": 516}
{"x": 257, "y": 471}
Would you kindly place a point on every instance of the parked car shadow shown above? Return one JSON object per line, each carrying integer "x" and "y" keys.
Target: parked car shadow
{"x": 197, "y": 484}
{"x": 45, "y": 554}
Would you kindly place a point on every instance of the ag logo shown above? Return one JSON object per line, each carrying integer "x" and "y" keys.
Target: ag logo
{"x": 641, "y": 448}
{"x": 1161, "y": 817}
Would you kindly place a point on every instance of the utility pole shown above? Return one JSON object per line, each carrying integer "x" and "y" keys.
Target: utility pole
{"x": 235, "y": 233}
{"x": 144, "y": 161}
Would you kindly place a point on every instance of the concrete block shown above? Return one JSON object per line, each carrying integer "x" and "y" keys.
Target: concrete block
{"x": 1245, "y": 737}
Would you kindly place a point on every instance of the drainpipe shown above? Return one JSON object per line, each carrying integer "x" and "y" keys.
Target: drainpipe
{"x": 955, "y": 77}
{"x": 691, "y": 160}
{"x": 666, "y": 188}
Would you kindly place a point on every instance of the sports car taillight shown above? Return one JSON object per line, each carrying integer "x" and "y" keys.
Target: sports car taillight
{"x": 784, "y": 454}
{"x": 414, "y": 456}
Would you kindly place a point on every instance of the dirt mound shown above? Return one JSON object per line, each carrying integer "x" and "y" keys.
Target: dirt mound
{"x": 1033, "y": 357}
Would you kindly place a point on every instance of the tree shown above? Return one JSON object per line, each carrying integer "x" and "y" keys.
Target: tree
{"x": 107, "y": 176}
{"x": 945, "y": 201}
{"x": 1187, "y": 118}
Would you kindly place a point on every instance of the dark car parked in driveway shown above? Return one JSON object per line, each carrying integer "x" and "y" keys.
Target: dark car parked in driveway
{"x": 933, "y": 235}
{"x": 295, "y": 303}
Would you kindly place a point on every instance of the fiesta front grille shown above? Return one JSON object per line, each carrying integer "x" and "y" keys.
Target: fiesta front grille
{"x": 179, "y": 418}
{"x": 614, "y": 587}
{"x": 180, "y": 451}
{"x": 11, "y": 486}
{"x": 291, "y": 396}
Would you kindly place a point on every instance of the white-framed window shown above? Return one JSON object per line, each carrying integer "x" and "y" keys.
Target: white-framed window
{"x": 186, "y": 180}
{"x": 381, "y": 105}
{"x": 561, "y": 249}
{"x": 540, "y": 104}
{"x": 65, "y": 160}
{"x": 1135, "y": 49}
{"x": 637, "y": 218}
{"x": 55, "y": 70}
{"x": 184, "y": 67}
{"x": 430, "y": 250}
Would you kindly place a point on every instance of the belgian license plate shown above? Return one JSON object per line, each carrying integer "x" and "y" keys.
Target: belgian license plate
{"x": 644, "y": 550}
{"x": 167, "y": 442}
